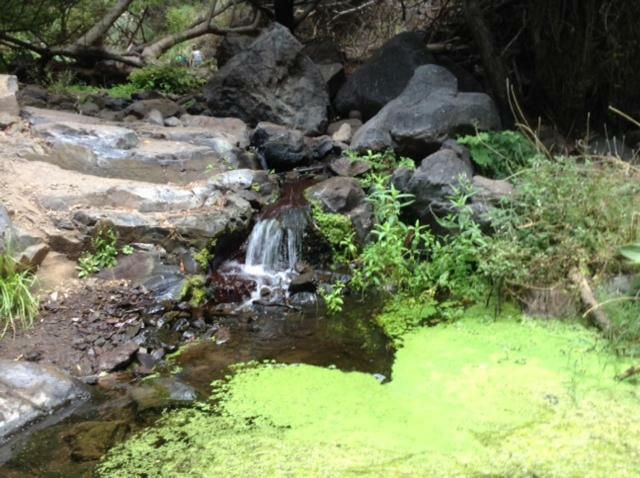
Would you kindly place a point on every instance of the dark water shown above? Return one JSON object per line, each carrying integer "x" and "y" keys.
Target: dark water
{"x": 71, "y": 448}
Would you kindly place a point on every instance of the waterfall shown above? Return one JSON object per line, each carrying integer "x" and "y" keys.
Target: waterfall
{"x": 273, "y": 250}
{"x": 274, "y": 244}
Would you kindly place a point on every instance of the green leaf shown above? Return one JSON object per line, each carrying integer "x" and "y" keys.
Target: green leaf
{"x": 631, "y": 252}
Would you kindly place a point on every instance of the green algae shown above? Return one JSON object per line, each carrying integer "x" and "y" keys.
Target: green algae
{"x": 476, "y": 398}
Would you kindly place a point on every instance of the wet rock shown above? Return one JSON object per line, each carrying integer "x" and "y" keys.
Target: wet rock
{"x": 142, "y": 109}
{"x": 33, "y": 95}
{"x": 29, "y": 391}
{"x": 425, "y": 114}
{"x": 303, "y": 299}
{"x": 118, "y": 358}
{"x": 384, "y": 76}
{"x": 161, "y": 392}
{"x": 243, "y": 87}
{"x": 8, "y": 90}
{"x": 305, "y": 282}
{"x": 89, "y": 441}
{"x": 87, "y": 145}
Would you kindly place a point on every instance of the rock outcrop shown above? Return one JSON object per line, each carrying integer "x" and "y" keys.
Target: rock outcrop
{"x": 427, "y": 112}
{"x": 29, "y": 392}
{"x": 271, "y": 80}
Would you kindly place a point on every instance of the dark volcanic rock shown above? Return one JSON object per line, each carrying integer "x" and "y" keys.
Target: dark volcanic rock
{"x": 384, "y": 76}
{"x": 282, "y": 148}
{"x": 429, "y": 110}
{"x": 271, "y": 80}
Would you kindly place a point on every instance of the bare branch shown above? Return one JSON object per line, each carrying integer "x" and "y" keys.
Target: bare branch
{"x": 99, "y": 30}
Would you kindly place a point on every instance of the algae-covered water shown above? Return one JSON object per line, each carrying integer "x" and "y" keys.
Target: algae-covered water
{"x": 477, "y": 398}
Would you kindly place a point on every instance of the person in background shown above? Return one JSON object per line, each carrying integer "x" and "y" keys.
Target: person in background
{"x": 196, "y": 58}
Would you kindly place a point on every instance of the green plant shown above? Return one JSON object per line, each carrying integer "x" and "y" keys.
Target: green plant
{"x": 194, "y": 290}
{"x": 18, "y": 306}
{"x": 165, "y": 78}
{"x": 631, "y": 252}
{"x": 568, "y": 213}
{"x": 204, "y": 257}
{"x": 103, "y": 254}
{"x": 127, "y": 250}
{"x": 333, "y": 297}
{"x": 499, "y": 154}
{"x": 338, "y": 230}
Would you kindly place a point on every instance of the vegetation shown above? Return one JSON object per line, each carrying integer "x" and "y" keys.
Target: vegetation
{"x": 18, "y": 305}
{"x": 499, "y": 154}
{"x": 194, "y": 291}
{"x": 165, "y": 78}
{"x": 103, "y": 254}
{"x": 486, "y": 396}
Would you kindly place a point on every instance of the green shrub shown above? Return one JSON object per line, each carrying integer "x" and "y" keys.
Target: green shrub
{"x": 18, "y": 306}
{"x": 499, "y": 154}
{"x": 567, "y": 213}
{"x": 165, "y": 78}
{"x": 103, "y": 253}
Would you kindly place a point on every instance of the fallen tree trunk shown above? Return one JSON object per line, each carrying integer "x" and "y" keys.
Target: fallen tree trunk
{"x": 594, "y": 311}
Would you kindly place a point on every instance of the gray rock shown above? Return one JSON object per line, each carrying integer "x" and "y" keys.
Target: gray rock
{"x": 245, "y": 86}
{"x": 234, "y": 130}
{"x": 433, "y": 183}
{"x": 33, "y": 95}
{"x": 344, "y": 134}
{"x": 491, "y": 191}
{"x": 384, "y": 76}
{"x": 155, "y": 117}
{"x": 281, "y": 148}
{"x": 345, "y": 167}
{"x": 89, "y": 146}
{"x": 142, "y": 108}
{"x": 343, "y": 195}
{"x": 355, "y": 124}
{"x": 32, "y": 256}
{"x": 117, "y": 358}
{"x": 29, "y": 391}
{"x": 231, "y": 45}
{"x": 7, "y": 120}
{"x": 8, "y": 90}
{"x": 172, "y": 122}
{"x": 428, "y": 111}
{"x": 89, "y": 108}
{"x": 303, "y": 299}
{"x": 6, "y": 227}
{"x": 305, "y": 282}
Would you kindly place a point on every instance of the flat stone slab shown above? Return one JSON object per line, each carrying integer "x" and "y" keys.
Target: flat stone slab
{"x": 29, "y": 391}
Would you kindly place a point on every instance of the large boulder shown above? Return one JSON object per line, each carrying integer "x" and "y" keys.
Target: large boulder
{"x": 429, "y": 110}
{"x": 281, "y": 148}
{"x": 8, "y": 90}
{"x": 142, "y": 108}
{"x": 434, "y": 182}
{"x": 384, "y": 76}
{"x": 271, "y": 80}
{"x": 29, "y": 392}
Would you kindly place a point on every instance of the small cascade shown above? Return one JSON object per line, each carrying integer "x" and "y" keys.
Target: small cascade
{"x": 273, "y": 250}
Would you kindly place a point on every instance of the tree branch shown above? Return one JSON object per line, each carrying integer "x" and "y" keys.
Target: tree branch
{"x": 99, "y": 30}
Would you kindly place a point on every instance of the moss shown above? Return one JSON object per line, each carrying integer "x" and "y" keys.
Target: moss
{"x": 477, "y": 398}
{"x": 335, "y": 228}
{"x": 194, "y": 290}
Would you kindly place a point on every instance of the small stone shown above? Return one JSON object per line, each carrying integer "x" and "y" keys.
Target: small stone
{"x": 117, "y": 358}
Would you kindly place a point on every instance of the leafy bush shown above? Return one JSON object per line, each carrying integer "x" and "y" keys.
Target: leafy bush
{"x": 103, "y": 254}
{"x": 194, "y": 290}
{"x": 18, "y": 306}
{"x": 338, "y": 231}
{"x": 165, "y": 78}
{"x": 568, "y": 213}
{"x": 499, "y": 154}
